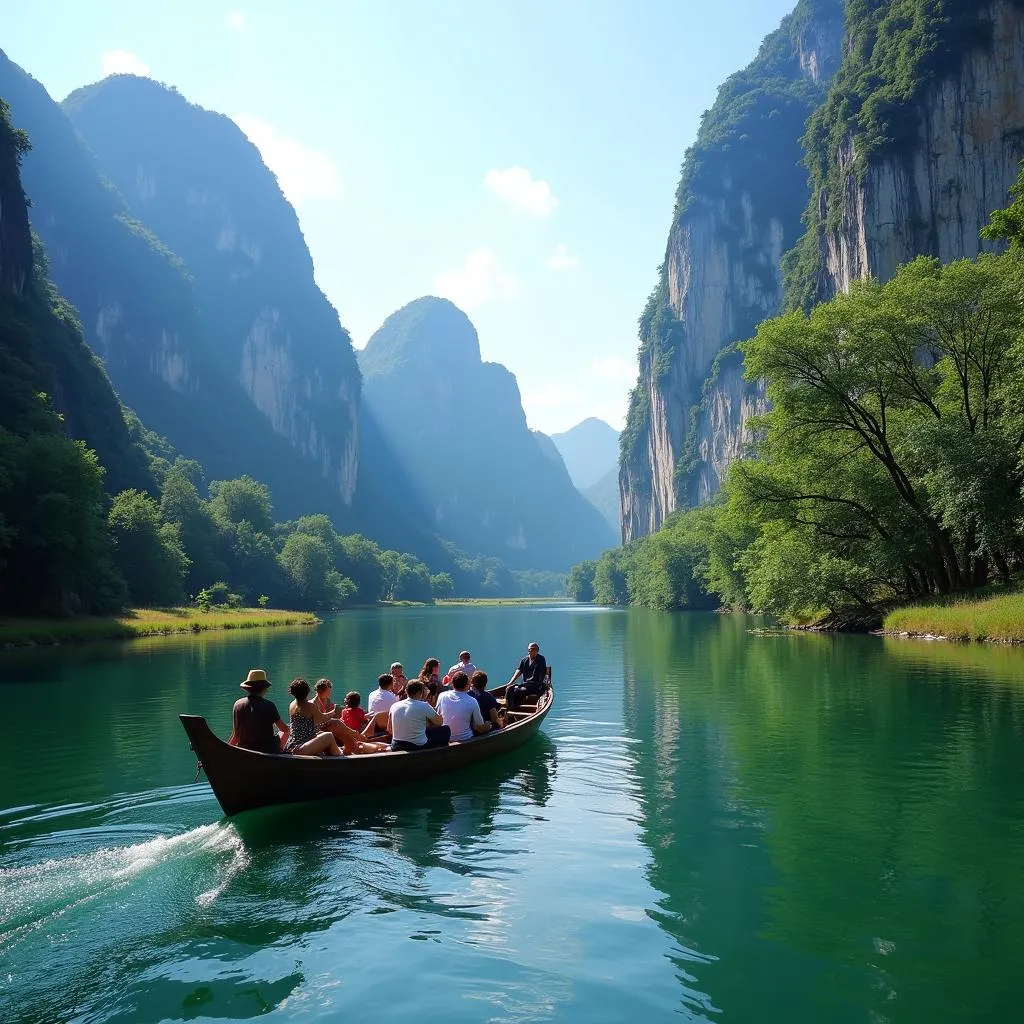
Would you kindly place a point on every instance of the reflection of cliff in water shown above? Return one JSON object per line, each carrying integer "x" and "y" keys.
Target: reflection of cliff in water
{"x": 812, "y": 807}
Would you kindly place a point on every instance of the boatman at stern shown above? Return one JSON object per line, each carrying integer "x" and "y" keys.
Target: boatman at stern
{"x": 533, "y": 669}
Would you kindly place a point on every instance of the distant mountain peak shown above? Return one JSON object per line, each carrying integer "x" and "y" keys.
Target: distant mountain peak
{"x": 427, "y": 332}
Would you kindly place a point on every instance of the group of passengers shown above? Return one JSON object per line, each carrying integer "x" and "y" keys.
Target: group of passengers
{"x": 400, "y": 714}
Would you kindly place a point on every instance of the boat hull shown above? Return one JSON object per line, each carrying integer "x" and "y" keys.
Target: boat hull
{"x": 243, "y": 780}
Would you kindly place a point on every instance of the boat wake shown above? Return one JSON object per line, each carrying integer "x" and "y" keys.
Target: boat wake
{"x": 38, "y": 895}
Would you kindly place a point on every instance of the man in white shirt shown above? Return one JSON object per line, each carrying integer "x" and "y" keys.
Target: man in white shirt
{"x": 379, "y": 704}
{"x": 463, "y": 665}
{"x": 415, "y": 725}
{"x": 461, "y": 711}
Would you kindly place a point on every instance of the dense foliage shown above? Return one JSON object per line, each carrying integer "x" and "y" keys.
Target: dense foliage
{"x": 889, "y": 468}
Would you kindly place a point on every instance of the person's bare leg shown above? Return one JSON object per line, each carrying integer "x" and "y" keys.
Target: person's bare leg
{"x": 323, "y": 743}
{"x": 347, "y": 738}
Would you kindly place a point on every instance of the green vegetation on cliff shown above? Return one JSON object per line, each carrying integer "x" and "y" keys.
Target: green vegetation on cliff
{"x": 747, "y": 158}
{"x": 896, "y": 50}
{"x": 889, "y": 467}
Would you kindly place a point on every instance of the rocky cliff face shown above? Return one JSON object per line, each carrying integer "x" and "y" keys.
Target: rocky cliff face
{"x": 15, "y": 236}
{"x": 454, "y": 429}
{"x": 45, "y": 366}
{"x": 935, "y": 192}
{"x": 192, "y": 177}
{"x": 737, "y": 211}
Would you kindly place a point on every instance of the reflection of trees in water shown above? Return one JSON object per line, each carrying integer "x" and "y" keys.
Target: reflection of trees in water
{"x": 884, "y": 791}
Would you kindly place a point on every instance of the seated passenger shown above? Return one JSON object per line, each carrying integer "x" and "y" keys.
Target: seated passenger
{"x": 324, "y": 703}
{"x": 533, "y": 669}
{"x": 414, "y": 723}
{"x": 253, "y": 717}
{"x": 488, "y": 703}
{"x": 334, "y": 731}
{"x": 398, "y": 677}
{"x": 353, "y": 715}
{"x": 463, "y": 665}
{"x": 380, "y": 702}
{"x": 305, "y": 718}
{"x": 460, "y": 712}
{"x": 429, "y": 674}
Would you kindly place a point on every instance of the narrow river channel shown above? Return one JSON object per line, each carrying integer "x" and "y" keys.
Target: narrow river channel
{"x": 716, "y": 824}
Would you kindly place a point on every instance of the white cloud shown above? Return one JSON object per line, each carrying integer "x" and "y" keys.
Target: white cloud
{"x": 480, "y": 280}
{"x": 522, "y": 190}
{"x": 615, "y": 369}
{"x": 122, "y": 62}
{"x": 303, "y": 173}
{"x": 562, "y": 259}
{"x": 236, "y": 21}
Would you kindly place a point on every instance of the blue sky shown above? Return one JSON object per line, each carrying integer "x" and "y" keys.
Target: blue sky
{"x": 520, "y": 158}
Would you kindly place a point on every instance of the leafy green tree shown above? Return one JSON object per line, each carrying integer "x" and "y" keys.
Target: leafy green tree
{"x": 242, "y": 500}
{"x": 55, "y": 551}
{"x": 182, "y": 506}
{"x": 147, "y": 552}
{"x": 610, "y": 586}
{"x": 307, "y": 563}
{"x": 580, "y": 583}
{"x": 442, "y": 585}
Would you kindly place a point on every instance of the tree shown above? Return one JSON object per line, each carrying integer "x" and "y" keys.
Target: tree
{"x": 442, "y": 585}
{"x": 147, "y": 552}
{"x": 242, "y": 500}
{"x": 307, "y": 562}
{"x": 55, "y": 551}
{"x": 580, "y": 584}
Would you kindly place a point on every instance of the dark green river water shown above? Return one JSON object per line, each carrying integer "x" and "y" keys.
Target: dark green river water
{"x": 713, "y": 825}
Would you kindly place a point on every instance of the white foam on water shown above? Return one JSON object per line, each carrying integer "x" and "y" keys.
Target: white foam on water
{"x": 37, "y": 894}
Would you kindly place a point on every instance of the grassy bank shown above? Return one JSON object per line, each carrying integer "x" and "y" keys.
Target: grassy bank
{"x": 497, "y": 600}
{"x": 993, "y": 616}
{"x": 143, "y": 622}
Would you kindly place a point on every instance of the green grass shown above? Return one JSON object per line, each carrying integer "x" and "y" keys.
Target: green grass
{"x": 16, "y": 632}
{"x": 998, "y": 617}
{"x": 498, "y": 600}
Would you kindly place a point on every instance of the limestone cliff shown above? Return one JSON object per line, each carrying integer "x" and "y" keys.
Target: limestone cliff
{"x": 738, "y": 210}
{"x": 193, "y": 177}
{"x": 45, "y": 366}
{"x": 890, "y": 188}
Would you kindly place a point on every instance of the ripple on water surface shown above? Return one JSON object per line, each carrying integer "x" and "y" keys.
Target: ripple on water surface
{"x": 714, "y": 824}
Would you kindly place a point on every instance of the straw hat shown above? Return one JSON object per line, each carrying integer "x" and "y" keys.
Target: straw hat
{"x": 255, "y": 680}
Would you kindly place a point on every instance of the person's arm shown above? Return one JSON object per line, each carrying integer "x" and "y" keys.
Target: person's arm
{"x": 495, "y": 718}
{"x": 516, "y": 675}
{"x": 319, "y": 718}
{"x": 477, "y": 721}
{"x": 285, "y": 732}
{"x": 434, "y": 719}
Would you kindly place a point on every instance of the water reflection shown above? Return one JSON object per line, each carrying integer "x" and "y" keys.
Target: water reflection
{"x": 830, "y": 819}
{"x": 143, "y": 922}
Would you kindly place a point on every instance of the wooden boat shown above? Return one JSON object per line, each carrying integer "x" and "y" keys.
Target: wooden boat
{"x": 243, "y": 780}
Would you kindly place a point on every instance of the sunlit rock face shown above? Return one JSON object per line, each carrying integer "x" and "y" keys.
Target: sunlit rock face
{"x": 936, "y": 194}
{"x": 194, "y": 178}
{"x": 738, "y": 210}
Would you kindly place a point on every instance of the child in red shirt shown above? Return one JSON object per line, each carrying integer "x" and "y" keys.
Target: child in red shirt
{"x": 353, "y": 715}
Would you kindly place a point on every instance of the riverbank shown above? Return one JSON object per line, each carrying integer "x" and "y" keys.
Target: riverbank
{"x": 138, "y": 622}
{"x": 486, "y": 602}
{"x": 993, "y": 617}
